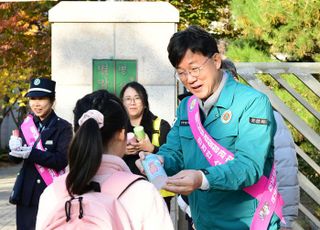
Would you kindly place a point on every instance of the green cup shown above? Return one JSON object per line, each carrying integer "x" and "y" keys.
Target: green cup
{"x": 139, "y": 132}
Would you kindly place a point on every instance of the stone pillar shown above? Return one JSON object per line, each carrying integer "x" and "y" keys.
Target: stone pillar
{"x": 84, "y": 30}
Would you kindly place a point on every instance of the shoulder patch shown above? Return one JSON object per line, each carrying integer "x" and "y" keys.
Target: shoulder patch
{"x": 258, "y": 121}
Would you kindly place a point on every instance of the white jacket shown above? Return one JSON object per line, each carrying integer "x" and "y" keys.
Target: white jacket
{"x": 287, "y": 170}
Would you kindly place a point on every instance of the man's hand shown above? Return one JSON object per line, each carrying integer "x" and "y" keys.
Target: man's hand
{"x": 15, "y": 143}
{"x": 22, "y": 152}
{"x": 184, "y": 182}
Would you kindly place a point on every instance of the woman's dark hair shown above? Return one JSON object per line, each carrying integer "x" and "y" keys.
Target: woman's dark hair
{"x": 87, "y": 146}
{"x": 194, "y": 38}
{"x": 147, "y": 117}
{"x": 140, "y": 90}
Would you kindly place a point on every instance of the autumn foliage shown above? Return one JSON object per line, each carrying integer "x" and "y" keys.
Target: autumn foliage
{"x": 24, "y": 50}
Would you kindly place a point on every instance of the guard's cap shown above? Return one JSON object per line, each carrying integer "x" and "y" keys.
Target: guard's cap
{"x": 41, "y": 87}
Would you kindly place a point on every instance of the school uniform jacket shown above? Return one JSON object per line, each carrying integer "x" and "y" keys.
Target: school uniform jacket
{"x": 55, "y": 138}
{"x": 242, "y": 121}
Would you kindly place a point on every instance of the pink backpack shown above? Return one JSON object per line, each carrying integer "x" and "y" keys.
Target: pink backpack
{"x": 93, "y": 210}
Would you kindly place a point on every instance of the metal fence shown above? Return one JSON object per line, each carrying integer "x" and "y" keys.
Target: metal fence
{"x": 308, "y": 74}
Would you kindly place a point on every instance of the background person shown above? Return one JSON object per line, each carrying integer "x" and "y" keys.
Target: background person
{"x": 135, "y": 99}
{"x": 286, "y": 163}
{"x": 237, "y": 117}
{"x": 55, "y": 133}
{"x": 95, "y": 154}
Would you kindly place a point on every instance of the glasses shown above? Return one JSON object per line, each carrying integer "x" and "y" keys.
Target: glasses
{"x": 128, "y": 100}
{"x": 194, "y": 72}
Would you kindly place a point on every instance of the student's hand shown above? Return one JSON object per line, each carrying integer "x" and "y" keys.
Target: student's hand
{"x": 184, "y": 182}
{"x": 142, "y": 155}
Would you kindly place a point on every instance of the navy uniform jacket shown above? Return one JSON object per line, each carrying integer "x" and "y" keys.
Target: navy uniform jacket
{"x": 242, "y": 121}
{"x": 55, "y": 137}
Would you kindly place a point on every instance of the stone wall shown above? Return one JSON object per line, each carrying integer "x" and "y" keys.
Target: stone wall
{"x": 82, "y": 31}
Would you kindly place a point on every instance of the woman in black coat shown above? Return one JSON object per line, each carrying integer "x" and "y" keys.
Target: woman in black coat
{"x": 135, "y": 100}
{"x": 55, "y": 136}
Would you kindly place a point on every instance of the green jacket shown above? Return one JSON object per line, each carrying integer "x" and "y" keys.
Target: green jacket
{"x": 225, "y": 205}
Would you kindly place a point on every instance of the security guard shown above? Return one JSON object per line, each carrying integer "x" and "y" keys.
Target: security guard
{"x": 55, "y": 134}
{"x": 238, "y": 117}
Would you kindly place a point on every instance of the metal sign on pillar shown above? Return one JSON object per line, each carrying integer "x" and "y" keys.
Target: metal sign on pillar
{"x": 113, "y": 74}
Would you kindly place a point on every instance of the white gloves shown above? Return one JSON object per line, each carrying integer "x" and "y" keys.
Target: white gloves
{"x": 22, "y": 152}
{"x": 15, "y": 142}
{"x": 17, "y": 150}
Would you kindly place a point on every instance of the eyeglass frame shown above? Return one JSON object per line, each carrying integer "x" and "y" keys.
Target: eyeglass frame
{"x": 188, "y": 72}
{"x": 129, "y": 100}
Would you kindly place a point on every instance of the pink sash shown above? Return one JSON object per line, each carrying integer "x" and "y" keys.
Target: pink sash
{"x": 31, "y": 134}
{"x": 265, "y": 190}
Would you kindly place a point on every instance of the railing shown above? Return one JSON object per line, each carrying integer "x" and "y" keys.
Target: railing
{"x": 304, "y": 72}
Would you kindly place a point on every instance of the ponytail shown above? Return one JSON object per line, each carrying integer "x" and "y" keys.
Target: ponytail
{"x": 85, "y": 154}
{"x": 98, "y": 116}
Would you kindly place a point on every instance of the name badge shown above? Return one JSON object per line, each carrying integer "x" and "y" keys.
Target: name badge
{"x": 49, "y": 142}
{"x": 184, "y": 123}
{"x": 258, "y": 121}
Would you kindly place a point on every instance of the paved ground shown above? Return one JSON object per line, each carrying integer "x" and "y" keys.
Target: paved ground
{"x": 7, "y": 210}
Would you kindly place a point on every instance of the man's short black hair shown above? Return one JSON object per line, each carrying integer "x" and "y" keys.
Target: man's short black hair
{"x": 194, "y": 38}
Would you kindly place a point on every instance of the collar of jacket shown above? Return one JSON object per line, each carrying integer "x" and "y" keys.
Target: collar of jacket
{"x": 227, "y": 94}
{"x": 46, "y": 121}
{"x": 224, "y": 101}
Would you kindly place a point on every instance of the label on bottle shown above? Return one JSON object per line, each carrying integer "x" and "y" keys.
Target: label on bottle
{"x": 154, "y": 170}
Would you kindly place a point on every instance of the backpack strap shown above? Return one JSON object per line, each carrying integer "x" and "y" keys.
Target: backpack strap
{"x": 119, "y": 182}
{"x": 156, "y": 132}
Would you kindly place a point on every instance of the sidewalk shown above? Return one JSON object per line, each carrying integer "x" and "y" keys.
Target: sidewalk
{"x": 7, "y": 210}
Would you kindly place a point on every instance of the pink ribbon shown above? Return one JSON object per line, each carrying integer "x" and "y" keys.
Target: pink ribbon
{"x": 31, "y": 134}
{"x": 265, "y": 190}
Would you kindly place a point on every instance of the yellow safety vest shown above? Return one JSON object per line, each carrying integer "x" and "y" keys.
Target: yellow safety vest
{"x": 156, "y": 142}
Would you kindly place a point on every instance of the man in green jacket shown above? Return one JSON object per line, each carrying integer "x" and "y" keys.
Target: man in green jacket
{"x": 238, "y": 117}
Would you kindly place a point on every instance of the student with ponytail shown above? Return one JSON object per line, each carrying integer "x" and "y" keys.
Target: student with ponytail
{"x": 95, "y": 157}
